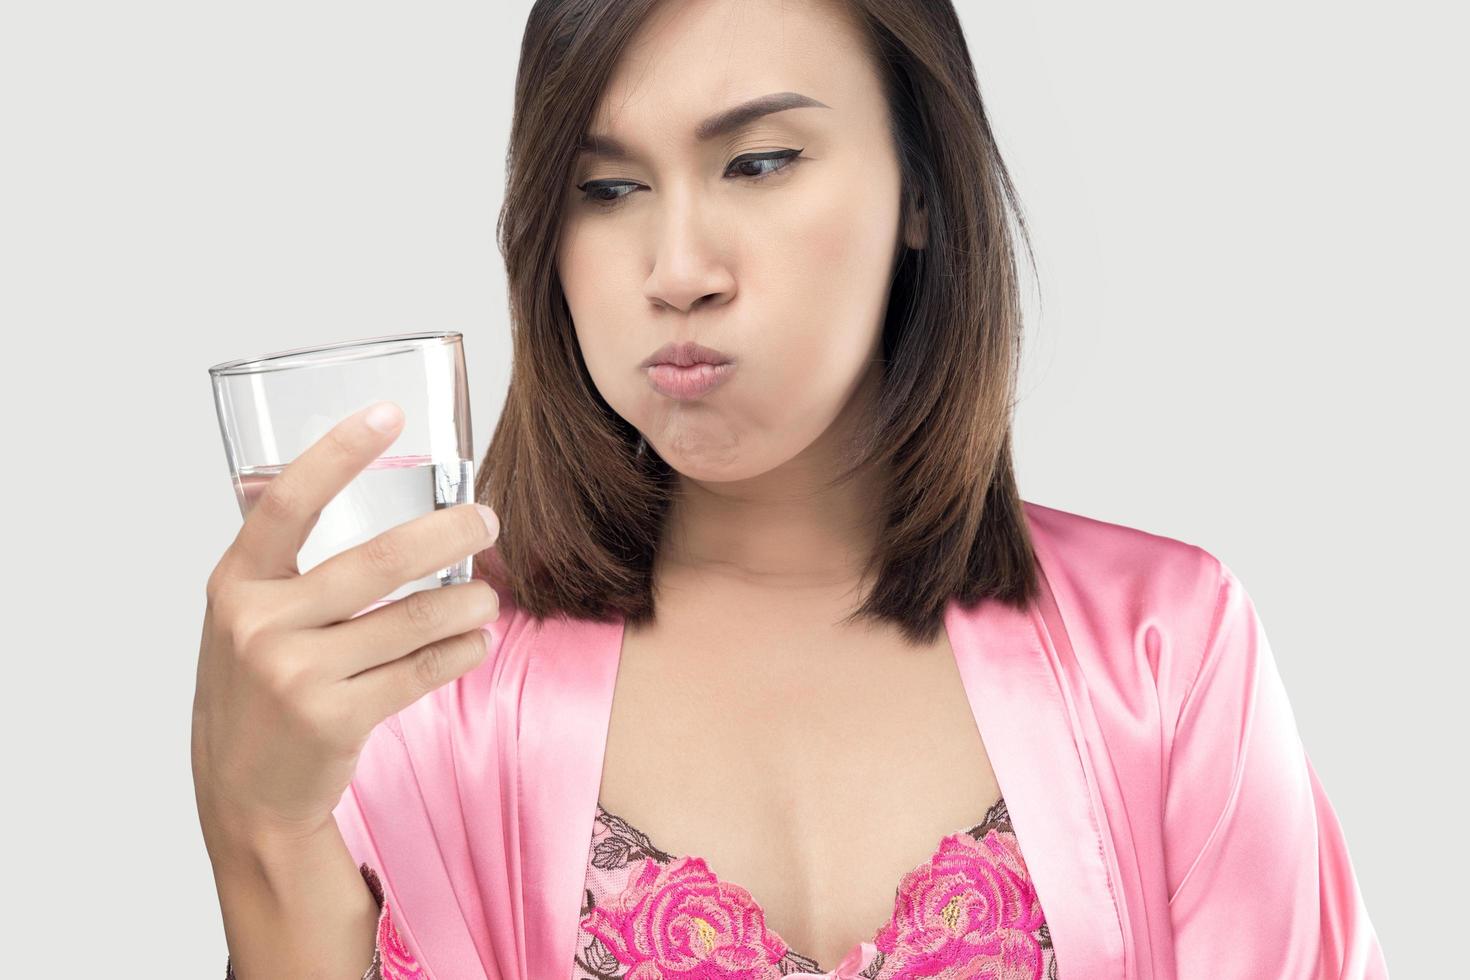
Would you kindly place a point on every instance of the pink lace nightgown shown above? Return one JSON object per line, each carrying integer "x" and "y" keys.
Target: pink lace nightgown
{"x": 970, "y": 911}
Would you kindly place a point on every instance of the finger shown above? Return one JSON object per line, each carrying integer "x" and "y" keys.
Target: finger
{"x": 404, "y": 625}
{"x": 385, "y": 690}
{"x": 348, "y": 582}
{"x": 278, "y": 524}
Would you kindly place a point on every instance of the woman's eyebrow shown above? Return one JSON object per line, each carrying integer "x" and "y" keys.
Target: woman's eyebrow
{"x": 722, "y": 122}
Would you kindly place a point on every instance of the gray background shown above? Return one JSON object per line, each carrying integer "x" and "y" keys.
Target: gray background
{"x": 1251, "y": 227}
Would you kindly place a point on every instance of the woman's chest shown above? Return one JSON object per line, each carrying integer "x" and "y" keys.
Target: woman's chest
{"x": 812, "y": 765}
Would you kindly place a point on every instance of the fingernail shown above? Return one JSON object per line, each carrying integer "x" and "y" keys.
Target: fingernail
{"x": 384, "y": 416}
{"x": 492, "y": 523}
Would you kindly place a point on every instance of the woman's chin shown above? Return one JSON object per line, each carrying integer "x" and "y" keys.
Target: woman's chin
{"x": 709, "y": 464}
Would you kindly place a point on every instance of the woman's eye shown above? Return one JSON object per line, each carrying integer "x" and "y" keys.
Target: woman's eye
{"x": 752, "y": 167}
{"x": 778, "y": 157}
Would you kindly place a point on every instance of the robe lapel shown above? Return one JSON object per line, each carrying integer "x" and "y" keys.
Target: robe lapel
{"x": 566, "y": 707}
{"x": 1011, "y": 664}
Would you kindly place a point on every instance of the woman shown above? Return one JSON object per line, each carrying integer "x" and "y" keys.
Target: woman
{"x": 786, "y": 679}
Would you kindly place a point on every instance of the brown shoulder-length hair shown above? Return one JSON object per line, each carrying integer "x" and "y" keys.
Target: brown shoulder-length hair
{"x": 582, "y": 509}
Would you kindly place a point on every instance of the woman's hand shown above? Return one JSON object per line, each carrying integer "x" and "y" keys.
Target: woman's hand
{"x": 290, "y": 683}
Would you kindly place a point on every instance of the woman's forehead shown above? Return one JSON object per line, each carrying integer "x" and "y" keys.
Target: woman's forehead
{"x": 692, "y": 60}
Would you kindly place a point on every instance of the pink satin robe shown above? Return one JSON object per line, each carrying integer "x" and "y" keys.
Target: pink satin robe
{"x": 1134, "y": 717}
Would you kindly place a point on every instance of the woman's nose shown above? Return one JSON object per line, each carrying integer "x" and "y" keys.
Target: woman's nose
{"x": 692, "y": 256}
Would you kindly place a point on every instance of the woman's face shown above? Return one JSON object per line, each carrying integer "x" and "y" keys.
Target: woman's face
{"x": 772, "y": 242}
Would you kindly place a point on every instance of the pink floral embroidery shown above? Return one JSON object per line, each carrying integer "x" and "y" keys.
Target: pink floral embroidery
{"x": 972, "y": 911}
{"x": 397, "y": 963}
{"x": 680, "y": 921}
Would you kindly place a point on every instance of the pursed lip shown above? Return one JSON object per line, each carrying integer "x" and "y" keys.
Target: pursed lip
{"x": 686, "y": 354}
{"x": 687, "y": 383}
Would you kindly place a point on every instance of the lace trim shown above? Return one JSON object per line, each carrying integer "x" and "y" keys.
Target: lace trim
{"x": 969, "y": 910}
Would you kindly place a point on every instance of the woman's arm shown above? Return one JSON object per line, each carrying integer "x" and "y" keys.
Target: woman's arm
{"x": 1261, "y": 884}
{"x": 294, "y": 907}
{"x": 391, "y": 959}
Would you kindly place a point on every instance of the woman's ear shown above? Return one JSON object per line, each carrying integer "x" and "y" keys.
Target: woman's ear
{"x": 916, "y": 223}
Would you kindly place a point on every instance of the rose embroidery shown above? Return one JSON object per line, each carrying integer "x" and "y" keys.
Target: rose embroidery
{"x": 680, "y": 921}
{"x": 972, "y": 911}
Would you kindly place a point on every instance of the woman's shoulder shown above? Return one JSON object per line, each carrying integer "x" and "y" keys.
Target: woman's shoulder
{"x": 1136, "y": 604}
{"x": 1101, "y": 564}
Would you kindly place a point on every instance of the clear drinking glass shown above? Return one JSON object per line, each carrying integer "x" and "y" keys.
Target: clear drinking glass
{"x": 273, "y": 407}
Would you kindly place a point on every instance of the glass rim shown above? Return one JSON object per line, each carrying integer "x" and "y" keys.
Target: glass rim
{"x": 346, "y": 350}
